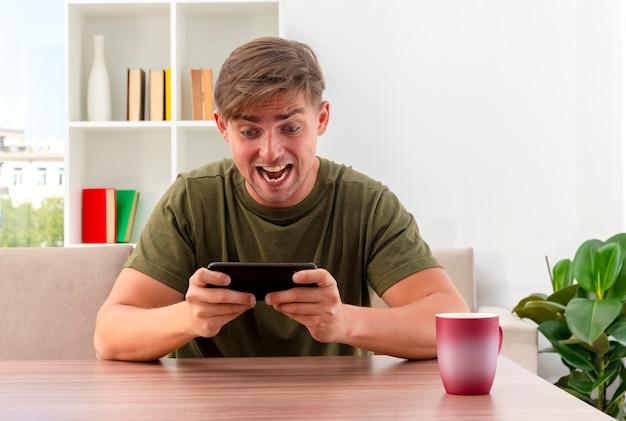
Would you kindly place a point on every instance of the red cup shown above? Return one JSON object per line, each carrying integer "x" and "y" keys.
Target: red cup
{"x": 468, "y": 345}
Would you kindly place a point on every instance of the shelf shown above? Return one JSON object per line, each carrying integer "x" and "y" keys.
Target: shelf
{"x": 122, "y": 126}
{"x": 197, "y": 125}
{"x": 147, "y": 155}
{"x": 99, "y": 244}
{"x": 121, "y": 8}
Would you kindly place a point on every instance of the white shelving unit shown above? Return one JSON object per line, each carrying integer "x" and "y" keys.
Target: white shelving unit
{"x": 147, "y": 155}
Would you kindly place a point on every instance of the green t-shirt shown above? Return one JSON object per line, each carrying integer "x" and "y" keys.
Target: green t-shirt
{"x": 349, "y": 224}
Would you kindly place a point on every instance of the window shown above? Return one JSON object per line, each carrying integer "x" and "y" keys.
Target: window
{"x": 41, "y": 176}
{"x": 17, "y": 176}
{"x": 31, "y": 122}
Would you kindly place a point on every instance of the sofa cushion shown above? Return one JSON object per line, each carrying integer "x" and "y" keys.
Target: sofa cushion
{"x": 49, "y": 299}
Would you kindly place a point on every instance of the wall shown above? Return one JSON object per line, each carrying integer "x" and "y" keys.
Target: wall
{"x": 497, "y": 123}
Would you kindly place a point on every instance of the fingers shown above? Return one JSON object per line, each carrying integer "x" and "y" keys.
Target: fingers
{"x": 321, "y": 277}
{"x": 211, "y": 326}
{"x": 300, "y": 309}
{"x": 204, "y": 310}
{"x": 203, "y": 277}
{"x": 199, "y": 293}
{"x": 326, "y": 291}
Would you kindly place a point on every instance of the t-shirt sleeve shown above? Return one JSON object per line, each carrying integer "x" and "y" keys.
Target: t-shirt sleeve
{"x": 397, "y": 250}
{"x": 166, "y": 250}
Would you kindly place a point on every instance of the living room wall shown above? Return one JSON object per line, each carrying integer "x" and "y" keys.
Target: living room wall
{"x": 497, "y": 123}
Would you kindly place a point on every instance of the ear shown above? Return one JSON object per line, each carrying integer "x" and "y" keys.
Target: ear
{"x": 323, "y": 117}
{"x": 222, "y": 125}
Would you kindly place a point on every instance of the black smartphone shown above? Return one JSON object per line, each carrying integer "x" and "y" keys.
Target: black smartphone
{"x": 261, "y": 278}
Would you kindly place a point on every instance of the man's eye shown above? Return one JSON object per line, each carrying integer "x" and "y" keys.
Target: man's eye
{"x": 249, "y": 133}
{"x": 291, "y": 129}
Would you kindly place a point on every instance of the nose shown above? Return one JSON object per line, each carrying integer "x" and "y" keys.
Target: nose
{"x": 271, "y": 148}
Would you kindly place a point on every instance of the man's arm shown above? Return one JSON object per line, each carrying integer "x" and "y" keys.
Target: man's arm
{"x": 406, "y": 329}
{"x": 144, "y": 319}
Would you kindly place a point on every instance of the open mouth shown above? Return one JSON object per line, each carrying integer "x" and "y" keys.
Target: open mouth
{"x": 275, "y": 174}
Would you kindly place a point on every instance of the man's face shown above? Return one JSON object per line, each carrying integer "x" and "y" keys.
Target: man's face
{"x": 274, "y": 148}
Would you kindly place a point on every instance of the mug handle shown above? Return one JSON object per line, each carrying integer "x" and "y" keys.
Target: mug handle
{"x": 500, "y": 338}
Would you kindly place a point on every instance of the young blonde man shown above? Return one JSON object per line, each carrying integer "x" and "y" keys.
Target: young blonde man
{"x": 275, "y": 201}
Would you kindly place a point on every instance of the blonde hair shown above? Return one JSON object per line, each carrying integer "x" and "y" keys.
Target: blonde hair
{"x": 264, "y": 68}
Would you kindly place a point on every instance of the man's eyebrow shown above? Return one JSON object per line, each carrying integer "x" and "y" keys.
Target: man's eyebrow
{"x": 278, "y": 117}
{"x": 297, "y": 110}
{"x": 251, "y": 118}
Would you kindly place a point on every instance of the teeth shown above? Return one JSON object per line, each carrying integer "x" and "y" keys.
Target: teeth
{"x": 276, "y": 168}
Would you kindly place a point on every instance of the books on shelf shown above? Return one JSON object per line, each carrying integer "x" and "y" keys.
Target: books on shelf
{"x": 148, "y": 95}
{"x": 157, "y": 94}
{"x": 99, "y": 215}
{"x": 126, "y": 210}
{"x": 201, "y": 94}
{"x": 108, "y": 215}
{"x": 135, "y": 95}
{"x": 168, "y": 94}
{"x": 196, "y": 94}
{"x": 207, "y": 94}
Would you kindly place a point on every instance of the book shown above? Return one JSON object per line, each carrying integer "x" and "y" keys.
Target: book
{"x": 196, "y": 94}
{"x": 157, "y": 94}
{"x": 126, "y": 205}
{"x": 98, "y": 212}
{"x": 168, "y": 95}
{"x": 135, "y": 95}
{"x": 146, "y": 108}
{"x": 207, "y": 94}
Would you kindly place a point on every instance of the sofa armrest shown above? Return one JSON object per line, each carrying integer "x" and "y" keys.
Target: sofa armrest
{"x": 519, "y": 337}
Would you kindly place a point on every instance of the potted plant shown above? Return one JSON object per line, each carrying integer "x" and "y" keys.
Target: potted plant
{"x": 585, "y": 321}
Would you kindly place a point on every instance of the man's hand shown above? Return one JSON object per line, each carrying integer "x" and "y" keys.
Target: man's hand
{"x": 319, "y": 309}
{"x": 212, "y": 308}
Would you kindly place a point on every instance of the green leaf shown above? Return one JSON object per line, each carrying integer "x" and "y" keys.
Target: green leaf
{"x": 563, "y": 384}
{"x": 547, "y": 305}
{"x": 580, "y": 383}
{"x": 537, "y": 315}
{"x": 614, "y": 409}
{"x": 613, "y": 370}
{"x": 523, "y": 301}
{"x": 562, "y": 274}
{"x": 565, "y": 295}
{"x": 574, "y": 357}
{"x": 609, "y": 259}
{"x": 555, "y": 330}
{"x": 620, "y": 389}
{"x": 618, "y": 330}
{"x": 585, "y": 264}
{"x": 600, "y": 346}
{"x": 617, "y": 352}
{"x": 619, "y": 288}
{"x": 587, "y": 319}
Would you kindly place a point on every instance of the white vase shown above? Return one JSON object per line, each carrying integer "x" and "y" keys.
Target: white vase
{"x": 98, "y": 89}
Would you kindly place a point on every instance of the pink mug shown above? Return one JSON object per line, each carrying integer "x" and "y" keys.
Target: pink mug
{"x": 468, "y": 345}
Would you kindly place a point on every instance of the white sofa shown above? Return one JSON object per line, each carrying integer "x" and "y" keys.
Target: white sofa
{"x": 49, "y": 298}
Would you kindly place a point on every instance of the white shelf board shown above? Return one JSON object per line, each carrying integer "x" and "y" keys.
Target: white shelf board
{"x": 121, "y": 8}
{"x": 99, "y": 244}
{"x": 229, "y": 8}
{"x": 111, "y": 126}
{"x": 196, "y": 123}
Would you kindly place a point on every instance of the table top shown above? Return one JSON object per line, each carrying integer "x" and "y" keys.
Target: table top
{"x": 289, "y": 388}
